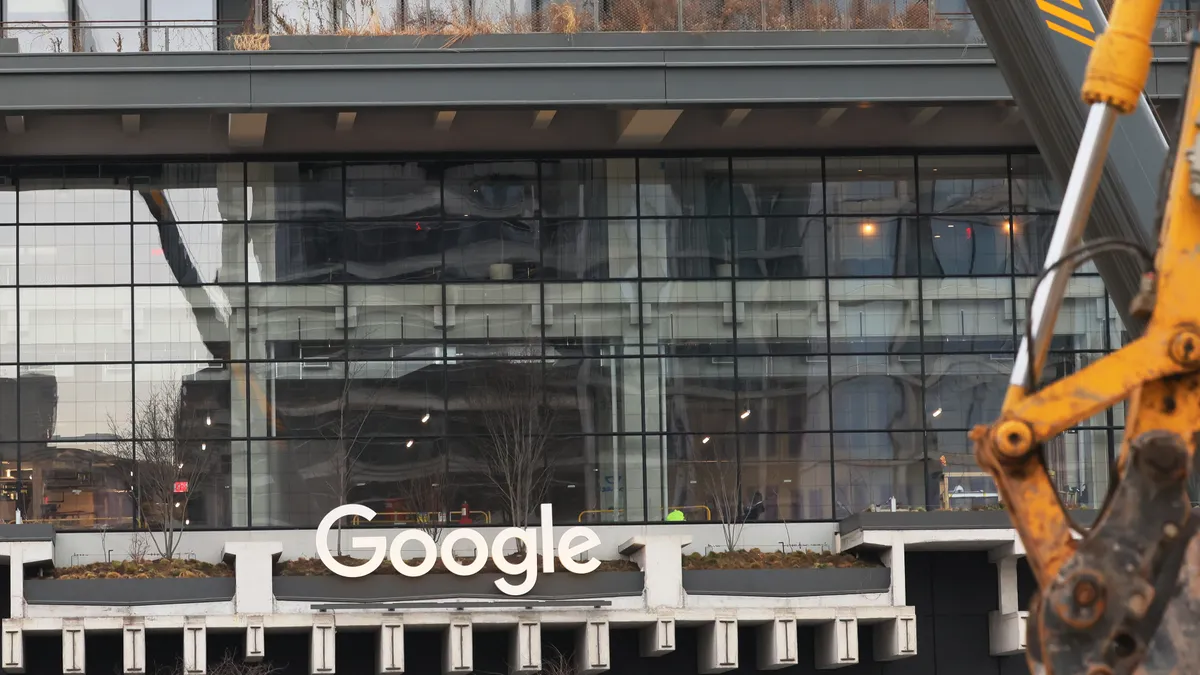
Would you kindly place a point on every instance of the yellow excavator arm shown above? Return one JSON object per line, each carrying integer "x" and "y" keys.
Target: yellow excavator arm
{"x": 1123, "y": 597}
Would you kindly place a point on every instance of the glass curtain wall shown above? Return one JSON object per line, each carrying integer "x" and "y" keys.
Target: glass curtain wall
{"x": 629, "y": 339}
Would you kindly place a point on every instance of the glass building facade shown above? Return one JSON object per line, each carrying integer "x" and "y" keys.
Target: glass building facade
{"x": 778, "y": 338}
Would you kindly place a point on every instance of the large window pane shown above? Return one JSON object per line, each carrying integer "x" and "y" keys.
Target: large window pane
{"x": 964, "y": 184}
{"x": 297, "y": 252}
{"x": 110, "y": 25}
{"x": 75, "y": 401}
{"x": 876, "y": 393}
{"x": 74, "y": 193}
{"x": 67, "y": 255}
{"x": 683, "y": 187}
{"x": 685, "y": 248}
{"x": 1033, "y": 189}
{"x": 1078, "y": 462}
{"x": 686, "y": 312}
{"x": 589, "y": 249}
{"x": 870, "y": 185}
{"x": 966, "y": 246}
{"x": 702, "y": 478}
{"x": 588, "y": 188}
{"x": 491, "y": 249}
{"x": 188, "y": 254}
{"x": 395, "y": 251}
{"x": 870, "y": 469}
{"x": 40, "y": 26}
{"x": 492, "y": 320}
{"x": 700, "y": 394}
{"x": 394, "y": 322}
{"x": 189, "y": 323}
{"x": 298, "y": 322}
{"x": 873, "y": 247}
{"x": 188, "y": 192}
{"x": 294, "y": 190}
{"x": 874, "y": 316}
{"x": 407, "y": 190}
{"x": 968, "y": 315}
{"x": 782, "y": 393}
{"x": 962, "y": 390}
{"x": 590, "y": 477}
{"x": 76, "y": 485}
{"x": 1080, "y": 321}
{"x": 491, "y": 190}
{"x": 785, "y": 317}
{"x": 76, "y": 324}
{"x": 8, "y": 325}
{"x": 789, "y": 474}
{"x": 188, "y": 401}
{"x": 183, "y": 26}
{"x": 772, "y": 248}
{"x": 399, "y": 399}
{"x": 591, "y": 318}
{"x": 589, "y": 396}
{"x": 777, "y": 187}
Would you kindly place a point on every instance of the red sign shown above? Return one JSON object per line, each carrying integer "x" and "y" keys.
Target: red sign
{"x": 180, "y": 486}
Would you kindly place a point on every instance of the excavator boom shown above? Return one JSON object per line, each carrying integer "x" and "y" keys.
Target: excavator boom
{"x": 1123, "y": 597}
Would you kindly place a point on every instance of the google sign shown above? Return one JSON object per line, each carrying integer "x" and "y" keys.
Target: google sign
{"x": 574, "y": 541}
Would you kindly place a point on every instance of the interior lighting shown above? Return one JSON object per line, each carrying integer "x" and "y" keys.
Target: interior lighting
{"x": 425, "y": 419}
{"x": 705, "y": 439}
{"x": 745, "y": 414}
{"x": 208, "y": 421}
{"x": 937, "y": 412}
{"x": 868, "y": 229}
{"x": 409, "y": 444}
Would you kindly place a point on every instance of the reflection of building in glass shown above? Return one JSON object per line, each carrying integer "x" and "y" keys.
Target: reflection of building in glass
{"x": 814, "y": 334}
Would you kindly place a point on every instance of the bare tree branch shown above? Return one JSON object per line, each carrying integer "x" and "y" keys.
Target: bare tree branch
{"x": 169, "y": 461}
{"x": 510, "y": 398}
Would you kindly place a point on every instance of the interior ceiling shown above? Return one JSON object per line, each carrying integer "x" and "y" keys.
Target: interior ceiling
{"x": 595, "y": 129}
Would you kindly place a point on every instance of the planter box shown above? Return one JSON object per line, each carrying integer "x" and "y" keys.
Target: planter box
{"x": 794, "y": 583}
{"x": 128, "y": 591}
{"x": 393, "y": 587}
{"x": 24, "y": 532}
{"x": 943, "y": 520}
{"x": 611, "y": 39}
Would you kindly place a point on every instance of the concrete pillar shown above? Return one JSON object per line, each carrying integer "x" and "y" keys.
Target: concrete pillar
{"x": 837, "y": 643}
{"x": 459, "y": 656}
{"x": 659, "y": 637}
{"x": 893, "y": 558}
{"x": 1007, "y": 625}
{"x": 255, "y": 639}
{"x": 322, "y": 657}
{"x": 391, "y": 646}
{"x": 73, "y": 647}
{"x": 591, "y": 649}
{"x": 719, "y": 646}
{"x": 253, "y": 564}
{"x": 777, "y": 644}
{"x": 660, "y": 558}
{"x": 195, "y": 647}
{"x": 12, "y": 652}
{"x": 895, "y": 638}
{"x": 20, "y": 553}
{"x": 133, "y": 647}
{"x": 525, "y": 651}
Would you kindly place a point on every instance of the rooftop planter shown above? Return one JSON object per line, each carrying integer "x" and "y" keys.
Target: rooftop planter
{"x": 992, "y": 519}
{"x": 308, "y": 580}
{"x": 131, "y": 583}
{"x": 783, "y": 575}
{"x": 129, "y": 591}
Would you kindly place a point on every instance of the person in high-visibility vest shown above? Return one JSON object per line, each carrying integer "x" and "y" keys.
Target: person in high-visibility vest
{"x": 675, "y": 516}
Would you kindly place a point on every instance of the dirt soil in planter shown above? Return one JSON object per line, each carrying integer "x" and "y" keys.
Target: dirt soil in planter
{"x": 313, "y": 567}
{"x": 150, "y": 569}
{"x": 755, "y": 559}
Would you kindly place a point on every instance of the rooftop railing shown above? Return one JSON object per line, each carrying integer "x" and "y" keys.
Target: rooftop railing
{"x": 457, "y": 19}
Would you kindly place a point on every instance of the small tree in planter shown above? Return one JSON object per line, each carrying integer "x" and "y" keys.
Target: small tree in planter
{"x": 517, "y": 419}
{"x": 718, "y": 478}
{"x": 428, "y": 495}
{"x": 164, "y": 446}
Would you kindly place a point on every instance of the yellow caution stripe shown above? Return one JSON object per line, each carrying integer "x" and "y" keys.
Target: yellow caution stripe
{"x": 1063, "y": 30}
